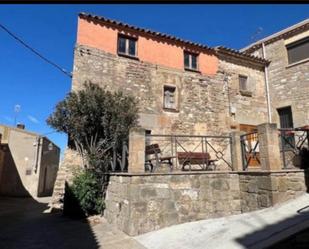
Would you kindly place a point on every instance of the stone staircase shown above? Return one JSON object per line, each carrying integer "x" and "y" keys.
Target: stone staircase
{"x": 71, "y": 163}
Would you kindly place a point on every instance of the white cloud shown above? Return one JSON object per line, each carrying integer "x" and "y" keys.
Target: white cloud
{"x": 33, "y": 119}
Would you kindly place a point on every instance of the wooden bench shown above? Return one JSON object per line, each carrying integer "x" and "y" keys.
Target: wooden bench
{"x": 200, "y": 158}
{"x": 155, "y": 150}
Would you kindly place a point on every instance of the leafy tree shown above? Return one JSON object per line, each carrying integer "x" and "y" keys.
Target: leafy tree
{"x": 95, "y": 120}
{"x": 95, "y": 112}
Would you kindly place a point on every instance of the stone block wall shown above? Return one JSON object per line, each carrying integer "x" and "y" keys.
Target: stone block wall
{"x": 288, "y": 84}
{"x": 264, "y": 189}
{"x": 143, "y": 203}
{"x": 201, "y": 100}
{"x": 140, "y": 203}
{"x": 251, "y": 109}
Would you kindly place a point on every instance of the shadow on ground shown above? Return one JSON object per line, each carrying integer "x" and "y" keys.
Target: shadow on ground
{"x": 292, "y": 232}
{"x": 23, "y": 224}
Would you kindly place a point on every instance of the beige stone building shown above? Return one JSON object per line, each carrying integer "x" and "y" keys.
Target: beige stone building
{"x": 287, "y": 73}
{"x": 28, "y": 163}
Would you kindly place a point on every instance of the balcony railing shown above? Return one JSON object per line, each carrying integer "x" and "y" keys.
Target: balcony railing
{"x": 294, "y": 146}
{"x": 184, "y": 152}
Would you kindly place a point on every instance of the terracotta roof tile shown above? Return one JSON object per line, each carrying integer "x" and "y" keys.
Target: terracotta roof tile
{"x": 241, "y": 54}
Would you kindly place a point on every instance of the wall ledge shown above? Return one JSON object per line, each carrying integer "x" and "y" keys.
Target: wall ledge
{"x": 260, "y": 172}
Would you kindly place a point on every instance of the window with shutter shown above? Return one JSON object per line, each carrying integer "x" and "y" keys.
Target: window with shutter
{"x": 244, "y": 86}
{"x": 298, "y": 51}
{"x": 169, "y": 97}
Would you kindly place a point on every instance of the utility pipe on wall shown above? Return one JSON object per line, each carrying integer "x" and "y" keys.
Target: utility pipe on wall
{"x": 267, "y": 85}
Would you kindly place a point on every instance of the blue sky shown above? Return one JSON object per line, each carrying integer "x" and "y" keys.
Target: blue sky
{"x": 51, "y": 29}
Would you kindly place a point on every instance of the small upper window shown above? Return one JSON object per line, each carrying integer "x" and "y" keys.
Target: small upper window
{"x": 127, "y": 46}
{"x": 169, "y": 97}
{"x": 298, "y": 50}
{"x": 190, "y": 61}
{"x": 243, "y": 83}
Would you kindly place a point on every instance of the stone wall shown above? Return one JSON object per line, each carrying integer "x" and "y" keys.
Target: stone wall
{"x": 264, "y": 189}
{"x": 289, "y": 84}
{"x": 70, "y": 163}
{"x": 250, "y": 108}
{"x": 201, "y": 100}
{"x": 141, "y": 203}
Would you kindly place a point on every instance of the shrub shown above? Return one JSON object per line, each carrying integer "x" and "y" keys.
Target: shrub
{"x": 86, "y": 188}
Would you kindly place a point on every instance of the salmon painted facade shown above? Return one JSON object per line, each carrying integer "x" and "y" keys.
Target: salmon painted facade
{"x": 150, "y": 48}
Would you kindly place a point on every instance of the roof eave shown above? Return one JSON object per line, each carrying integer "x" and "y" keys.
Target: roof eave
{"x": 278, "y": 35}
{"x": 145, "y": 31}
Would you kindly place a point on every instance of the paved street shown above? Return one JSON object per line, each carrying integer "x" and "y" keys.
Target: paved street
{"x": 258, "y": 229}
{"x": 23, "y": 224}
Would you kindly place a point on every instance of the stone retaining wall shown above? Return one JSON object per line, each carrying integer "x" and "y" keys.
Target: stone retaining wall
{"x": 140, "y": 203}
{"x": 264, "y": 189}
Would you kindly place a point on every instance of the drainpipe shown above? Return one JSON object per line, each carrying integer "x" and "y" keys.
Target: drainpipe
{"x": 37, "y": 154}
{"x": 267, "y": 85}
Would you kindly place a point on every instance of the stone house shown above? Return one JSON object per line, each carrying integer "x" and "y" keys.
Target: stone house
{"x": 288, "y": 73}
{"x": 191, "y": 89}
{"x": 182, "y": 87}
{"x": 28, "y": 163}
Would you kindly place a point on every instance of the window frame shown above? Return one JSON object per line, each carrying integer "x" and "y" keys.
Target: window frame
{"x": 245, "y": 92}
{"x": 190, "y": 61}
{"x": 127, "y": 42}
{"x": 294, "y": 44}
{"x": 175, "y": 104}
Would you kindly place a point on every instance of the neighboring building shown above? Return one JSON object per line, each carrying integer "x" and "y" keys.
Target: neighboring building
{"x": 28, "y": 163}
{"x": 182, "y": 87}
{"x": 288, "y": 73}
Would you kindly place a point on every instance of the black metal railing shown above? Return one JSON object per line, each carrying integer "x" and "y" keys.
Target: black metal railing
{"x": 250, "y": 150}
{"x": 294, "y": 146}
{"x": 119, "y": 161}
{"x": 185, "y": 152}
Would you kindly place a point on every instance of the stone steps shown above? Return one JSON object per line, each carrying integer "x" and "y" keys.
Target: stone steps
{"x": 71, "y": 161}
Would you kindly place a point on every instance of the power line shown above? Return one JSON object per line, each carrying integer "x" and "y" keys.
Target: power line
{"x": 36, "y": 52}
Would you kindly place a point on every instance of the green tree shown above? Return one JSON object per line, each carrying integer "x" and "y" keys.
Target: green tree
{"x": 95, "y": 112}
{"x": 95, "y": 120}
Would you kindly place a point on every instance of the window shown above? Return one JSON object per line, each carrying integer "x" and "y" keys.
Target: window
{"x": 127, "y": 46}
{"x": 169, "y": 97}
{"x": 243, "y": 83}
{"x": 244, "y": 87}
{"x": 298, "y": 50}
{"x": 190, "y": 61}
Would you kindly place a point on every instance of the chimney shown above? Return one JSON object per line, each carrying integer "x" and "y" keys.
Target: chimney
{"x": 21, "y": 126}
